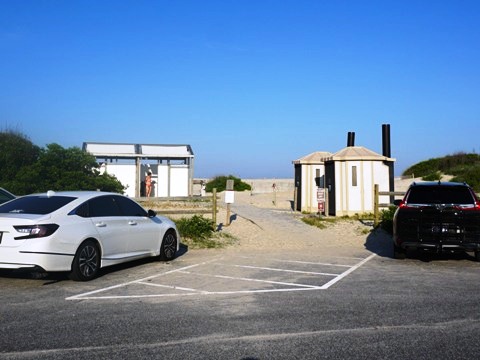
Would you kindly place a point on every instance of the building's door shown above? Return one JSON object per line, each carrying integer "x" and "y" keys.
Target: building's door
{"x": 298, "y": 187}
{"x": 330, "y": 182}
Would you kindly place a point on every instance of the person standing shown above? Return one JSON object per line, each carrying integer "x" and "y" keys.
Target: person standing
{"x": 148, "y": 183}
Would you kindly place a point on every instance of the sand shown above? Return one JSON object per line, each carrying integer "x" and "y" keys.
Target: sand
{"x": 265, "y": 222}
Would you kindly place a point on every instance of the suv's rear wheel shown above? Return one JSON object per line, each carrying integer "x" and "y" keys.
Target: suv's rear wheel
{"x": 477, "y": 255}
{"x": 398, "y": 252}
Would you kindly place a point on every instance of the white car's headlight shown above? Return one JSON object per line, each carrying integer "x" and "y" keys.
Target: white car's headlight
{"x": 35, "y": 231}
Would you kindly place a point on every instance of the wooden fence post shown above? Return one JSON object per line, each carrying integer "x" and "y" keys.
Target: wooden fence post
{"x": 229, "y": 191}
{"x": 376, "y": 200}
{"x": 327, "y": 201}
{"x": 295, "y": 198}
{"x": 214, "y": 208}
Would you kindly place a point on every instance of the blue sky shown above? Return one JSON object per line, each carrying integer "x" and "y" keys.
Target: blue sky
{"x": 250, "y": 84}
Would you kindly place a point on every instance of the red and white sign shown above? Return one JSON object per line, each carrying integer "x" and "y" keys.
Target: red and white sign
{"x": 320, "y": 195}
{"x": 321, "y": 206}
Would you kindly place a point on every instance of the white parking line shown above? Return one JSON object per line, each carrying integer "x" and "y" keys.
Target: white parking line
{"x": 352, "y": 269}
{"x": 84, "y": 295}
{"x": 312, "y": 263}
{"x": 251, "y": 280}
{"x": 185, "y": 291}
{"x": 171, "y": 287}
{"x": 281, "y": 270}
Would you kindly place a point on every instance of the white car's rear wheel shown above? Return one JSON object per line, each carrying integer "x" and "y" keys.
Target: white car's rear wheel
{"x": 86, "y": 263}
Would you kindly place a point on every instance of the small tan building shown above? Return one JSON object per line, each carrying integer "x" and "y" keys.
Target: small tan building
{"x": 343, "y": 183}
{"x": 309, "y": 176}
{"x": 350, "y": 176}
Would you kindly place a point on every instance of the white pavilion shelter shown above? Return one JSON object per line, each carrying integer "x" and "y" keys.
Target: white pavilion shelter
{"x": 171, "y": 166}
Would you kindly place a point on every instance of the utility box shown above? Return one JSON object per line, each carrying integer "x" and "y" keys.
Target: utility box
{"x": 229, "y": 193}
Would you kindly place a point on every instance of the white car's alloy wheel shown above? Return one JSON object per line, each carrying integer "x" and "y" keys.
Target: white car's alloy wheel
{"x": 86, "y": 262}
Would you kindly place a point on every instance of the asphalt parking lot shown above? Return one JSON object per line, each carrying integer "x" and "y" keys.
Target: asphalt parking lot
{"x": 308, "y": 302}
{"x": 238, "y": 274}
{"x": 249, "y": 306}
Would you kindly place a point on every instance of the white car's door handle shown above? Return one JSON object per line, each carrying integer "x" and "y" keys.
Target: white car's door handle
{"x": 132, "y": 223}
{"x": 100, "y": 224}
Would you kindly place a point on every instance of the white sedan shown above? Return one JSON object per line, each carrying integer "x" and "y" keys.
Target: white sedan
{"x": 5, "y": 196}
{"x": 81, "y": 232}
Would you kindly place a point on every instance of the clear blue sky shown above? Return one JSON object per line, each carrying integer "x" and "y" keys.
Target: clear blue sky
{"x": 250, "y": 84}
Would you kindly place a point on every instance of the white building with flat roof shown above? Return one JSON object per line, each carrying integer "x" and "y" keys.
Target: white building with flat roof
{"x": 171, "y": 167}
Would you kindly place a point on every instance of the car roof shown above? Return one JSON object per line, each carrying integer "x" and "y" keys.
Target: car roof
{"x": 6, "y": 192}
{"x": 438, "y": 183}
{"x": 81, "y": 194}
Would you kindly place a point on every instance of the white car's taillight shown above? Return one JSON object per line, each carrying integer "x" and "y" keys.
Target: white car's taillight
{"x": 35, "y": 231}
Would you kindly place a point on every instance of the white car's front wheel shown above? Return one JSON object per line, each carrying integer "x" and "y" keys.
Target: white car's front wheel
{"x": 168, "y": 249}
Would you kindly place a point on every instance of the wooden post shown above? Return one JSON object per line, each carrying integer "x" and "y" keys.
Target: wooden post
{"x": 228, "y": 215}
{"x": 376, "y": 199}
{"x": 229, "y": 188}
{"x": 326, "y": 202}
{"x": 214, "y": 208}
{"x": 274, "y": 187}
{"x": 295, "y": 198}
{"x": 137, "y": 177}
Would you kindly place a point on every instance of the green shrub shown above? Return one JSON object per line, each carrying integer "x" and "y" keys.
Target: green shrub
{"x": 220, "y": 182}
{"x": 433, "y": 177}
{"x": 386, "y": 219}
{"x": 464, "y": 167}
{"x": 197, "y": 233}
{"x": 318, "y": 221}
{"x": 471, "y": 176}
{"x": 195, "y": 227}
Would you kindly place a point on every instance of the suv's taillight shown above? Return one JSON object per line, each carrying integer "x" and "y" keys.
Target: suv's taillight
{"x": 405, "y": 205}
{"x": 474, "y": 207}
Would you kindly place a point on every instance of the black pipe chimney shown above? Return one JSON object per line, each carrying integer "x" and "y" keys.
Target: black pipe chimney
{"x": 386, "y": 148}
{"x": 351, "y": 139}
{"x": 387, "y": 152}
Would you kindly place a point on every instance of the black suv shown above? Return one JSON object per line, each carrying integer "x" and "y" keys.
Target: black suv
{"x": 437, "y": 216}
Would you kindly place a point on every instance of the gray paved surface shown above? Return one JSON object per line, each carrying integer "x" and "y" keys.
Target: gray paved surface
{"x": 424, "y": 308}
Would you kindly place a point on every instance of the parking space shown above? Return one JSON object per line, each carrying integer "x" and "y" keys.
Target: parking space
{"x": 234, "y": 275}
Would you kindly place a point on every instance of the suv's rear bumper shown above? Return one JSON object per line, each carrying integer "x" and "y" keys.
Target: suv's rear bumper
{"x": 439, "y": 247}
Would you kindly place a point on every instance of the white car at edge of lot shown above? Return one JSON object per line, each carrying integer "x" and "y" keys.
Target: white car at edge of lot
{"x": 81, "y": 232}
{"x": 5, "y": 195}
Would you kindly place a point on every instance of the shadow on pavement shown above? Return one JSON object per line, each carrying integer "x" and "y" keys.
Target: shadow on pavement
{"x": 54, "y": 277}
{"x": 380, "y": 243}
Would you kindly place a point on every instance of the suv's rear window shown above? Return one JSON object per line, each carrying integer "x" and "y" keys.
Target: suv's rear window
{"x": 35, "y": 204}
{"x": 440, "y": 195}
